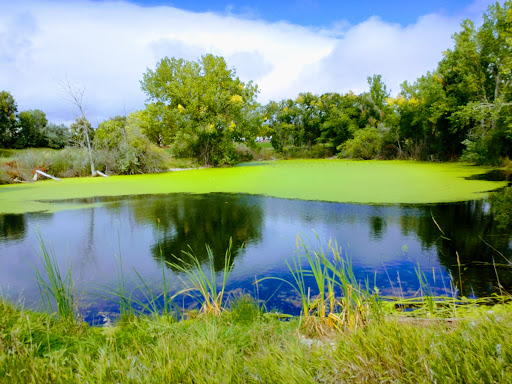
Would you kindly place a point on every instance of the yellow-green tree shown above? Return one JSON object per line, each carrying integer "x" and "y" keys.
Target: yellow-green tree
{"x": 200, "y": 108}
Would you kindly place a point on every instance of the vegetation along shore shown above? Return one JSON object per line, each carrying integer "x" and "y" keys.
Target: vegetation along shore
{"x": 443, "y": 139}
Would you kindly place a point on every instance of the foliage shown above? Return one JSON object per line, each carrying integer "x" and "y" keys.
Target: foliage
{"x": 125, "y": 149}
{"x": 28, "y": 129}
{"x": 202, "y": 108}
{"x": 8, "y": 122}
{"x": 477, "y": 77}
{"x": 54, "y": 287}
{"x": 81, "y": 130}
{"x": 366, "y": 144}
{"x": 501, "y": 206}
{"x": 248, "y": 347}
{"x": 56, "y": 136}
{"x": 32, "y": 125}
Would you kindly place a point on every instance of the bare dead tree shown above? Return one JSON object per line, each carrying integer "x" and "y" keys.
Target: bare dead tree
{"x": 75, "y": 95}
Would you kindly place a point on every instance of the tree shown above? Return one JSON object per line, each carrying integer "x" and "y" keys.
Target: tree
{"x": 280, "y": 122}
{"x": 477, "y": 76}
{"x": 82, "y": 125}
{"x": 339, "y": 118}
{"x": 56, "y": 136}
{"x": 82, "y": 132}
{"x": 206, "y": 107}
{"x": 8, "y": 121}
{"x": 31, "y": 131}
{"x": 110, "y": 133}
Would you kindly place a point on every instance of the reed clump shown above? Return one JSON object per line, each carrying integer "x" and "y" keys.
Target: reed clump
{"x": 204, "y": 285}
{"x": 55, "y": 288}
{"x": 340, "y": 302}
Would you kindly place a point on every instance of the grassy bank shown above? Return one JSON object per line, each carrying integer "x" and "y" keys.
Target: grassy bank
{"x": 244, "y": 345}
{"x": 327, "y": 180}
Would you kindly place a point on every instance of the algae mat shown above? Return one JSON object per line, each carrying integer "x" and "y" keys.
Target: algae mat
{"x": 368, "y": 182}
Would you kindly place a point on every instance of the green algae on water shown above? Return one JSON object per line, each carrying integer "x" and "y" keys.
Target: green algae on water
{"x": 349, "y": 181}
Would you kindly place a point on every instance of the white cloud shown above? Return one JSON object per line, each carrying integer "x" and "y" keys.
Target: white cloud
{"x": 108, "y": 46}
{"x": 396, "y": 52}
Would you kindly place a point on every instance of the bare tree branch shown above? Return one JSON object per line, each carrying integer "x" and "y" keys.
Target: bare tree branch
{"x": 75, "y": 95}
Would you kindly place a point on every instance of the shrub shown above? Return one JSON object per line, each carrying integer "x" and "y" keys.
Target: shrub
{"x": 366, "y": 144}
{"x": 5, "y": 178}
{"x": 244, "y": 153}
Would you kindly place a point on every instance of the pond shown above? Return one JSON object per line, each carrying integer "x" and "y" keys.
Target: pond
{"x": 386, "y": 243}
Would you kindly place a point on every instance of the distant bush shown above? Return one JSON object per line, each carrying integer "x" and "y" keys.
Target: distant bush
{"x": 5, "y": 178}
{"x": 317, "y": 151}
{"x": 121, "y": 148}
{"x": 244, "y": 153}
{"x": 366, "y": 144}
{"x": 142, "y": 157}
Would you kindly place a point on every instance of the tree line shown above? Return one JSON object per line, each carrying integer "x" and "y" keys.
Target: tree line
{"x": 460, "y": 110}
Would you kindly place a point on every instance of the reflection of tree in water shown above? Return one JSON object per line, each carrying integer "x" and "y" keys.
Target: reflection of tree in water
{"x": 12, "y": 227}
{"x": 465, "y": 224}
{"x": 187, "y": 222}
{"x": 377, "y": 227}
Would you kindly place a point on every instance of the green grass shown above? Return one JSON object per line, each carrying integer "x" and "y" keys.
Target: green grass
{"x": 266, "y": 145}
{"x": 56, "y": 288}
{"x": 245, "y": 346}
{"x": 371, "y": 182}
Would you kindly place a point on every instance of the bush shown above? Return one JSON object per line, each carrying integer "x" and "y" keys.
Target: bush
{"x": 366, "y": 144}
{"x": 244, "y": 153}
{"x": 5, "y": 178}
{"x": 144, "y": 157}
{"x": 70, "y": 162}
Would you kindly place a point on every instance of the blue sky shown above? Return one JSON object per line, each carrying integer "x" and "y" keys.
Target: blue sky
{"x": 285, "y": 47}
{"x": 321, "y": 13}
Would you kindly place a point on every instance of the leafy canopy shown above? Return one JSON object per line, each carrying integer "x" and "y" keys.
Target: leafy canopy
{"x": 201, "y": 108}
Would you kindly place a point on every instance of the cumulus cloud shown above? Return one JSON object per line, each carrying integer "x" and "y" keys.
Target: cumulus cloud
{"x": 396, "y": 52}
{"x": 107, "y": 46}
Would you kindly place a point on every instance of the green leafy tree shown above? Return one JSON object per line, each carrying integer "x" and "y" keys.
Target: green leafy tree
{"x": 31, "y": 133}
{"x": 8, "y": 121}
{"x": 423, "y": 111}
{"x": 339, "y": 118}
{"x": 378, "y": 94}
{"x": 280, "y": 123}
{"x": 110, "y": 133}
{"x": 477, "y": 75}
{"x": 206, "y": 107}
{"x": 56, "y": 136}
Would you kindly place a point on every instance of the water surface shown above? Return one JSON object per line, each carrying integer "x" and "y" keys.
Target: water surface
{"x": 386, "y": 244}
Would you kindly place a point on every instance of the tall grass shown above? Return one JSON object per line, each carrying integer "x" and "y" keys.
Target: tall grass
{"x": 143, "y": 299}
{"x": 204, "y": 283}
{"x": 332, "y": 272}
{"x": 54, "y": 287}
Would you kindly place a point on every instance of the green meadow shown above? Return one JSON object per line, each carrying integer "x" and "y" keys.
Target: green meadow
{"x": 365, "y": 182}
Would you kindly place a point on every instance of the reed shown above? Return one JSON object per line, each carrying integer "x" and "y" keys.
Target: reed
{"x": 332, "y": 272}
{"x": 204, "y": 285}
{"x": 143, "y": 299}
{"x": 56, "y": 289}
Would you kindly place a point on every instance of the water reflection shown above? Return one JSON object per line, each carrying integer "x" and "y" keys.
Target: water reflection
{"x": 385, "y": 243}
{"x": 189, "y": 222}
{"x": 12, "y": 227}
